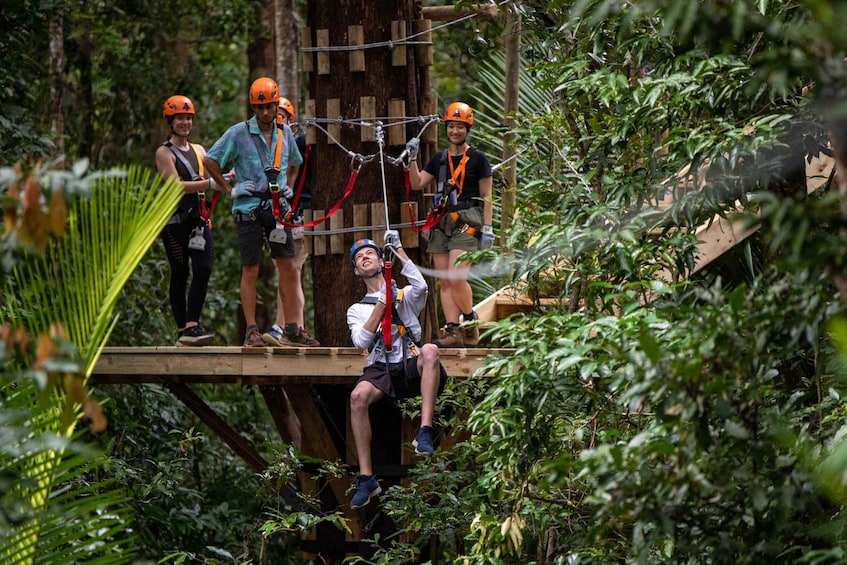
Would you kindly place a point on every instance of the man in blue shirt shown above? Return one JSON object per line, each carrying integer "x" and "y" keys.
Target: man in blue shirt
{"x": 264, "y": 158}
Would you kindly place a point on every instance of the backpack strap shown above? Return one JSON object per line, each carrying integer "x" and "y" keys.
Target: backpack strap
{"x": 442, "y": 187}
{"x": 183, "y": 161}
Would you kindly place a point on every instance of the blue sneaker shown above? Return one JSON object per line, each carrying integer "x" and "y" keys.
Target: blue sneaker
{"x": 423, "y": 441}
{"x": 366, "y": 489}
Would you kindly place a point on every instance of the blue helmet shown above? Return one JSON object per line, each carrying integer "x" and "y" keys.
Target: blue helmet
{"x": 363, "y": 243}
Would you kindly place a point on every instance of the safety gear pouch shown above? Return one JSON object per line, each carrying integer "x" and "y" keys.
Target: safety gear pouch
{"x": 197, "y": 242}
{"x": 278, "y": 235}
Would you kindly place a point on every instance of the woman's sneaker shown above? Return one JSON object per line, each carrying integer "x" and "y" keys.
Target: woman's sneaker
{"x": 300, "y": 338}
{"x": 195, "y": 336}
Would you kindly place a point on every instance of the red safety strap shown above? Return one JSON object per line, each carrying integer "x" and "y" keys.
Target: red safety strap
{"x": 434, "y": 216}
{"x": 205, "y": 214}
{"x": 386, "y": 317}
{"x": 348, "y": 191}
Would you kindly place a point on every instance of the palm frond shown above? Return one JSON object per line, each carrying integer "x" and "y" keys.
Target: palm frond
{"x": 78, "y": 281}
{"x": 57, "y": 514}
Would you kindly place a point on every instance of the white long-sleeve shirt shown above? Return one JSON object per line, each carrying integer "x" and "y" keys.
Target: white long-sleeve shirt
{"x": 413, "y": 302}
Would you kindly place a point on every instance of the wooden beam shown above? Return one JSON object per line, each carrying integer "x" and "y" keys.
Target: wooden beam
{"x": 233, "y": 439}
{"x": 279, "y": 406}
{"x": 318, "y": 443}
{"x": 256, "y": 365}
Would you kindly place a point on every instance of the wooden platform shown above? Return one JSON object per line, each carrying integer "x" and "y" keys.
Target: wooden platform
{"x": 253, "y": 365}
{"x": 295, "y": 384}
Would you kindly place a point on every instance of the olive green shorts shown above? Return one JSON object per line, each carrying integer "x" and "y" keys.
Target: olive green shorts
{"x": 448, "y": 235}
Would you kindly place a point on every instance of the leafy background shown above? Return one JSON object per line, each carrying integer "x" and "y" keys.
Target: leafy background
{"x": 640, "y": 418}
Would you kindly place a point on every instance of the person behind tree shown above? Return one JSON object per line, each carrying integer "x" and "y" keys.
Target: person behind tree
{"x": 463, "y": 176}
{"x": 302, "y": 185}
{"x": 264, "y": 157}
{"x": 187, "y": 237}
{"x": 407, "y": 370}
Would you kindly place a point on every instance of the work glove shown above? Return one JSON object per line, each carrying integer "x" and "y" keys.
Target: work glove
{"x": 412, "y": 146}
{"x": 213, "y": 185}
{"x": 244, "y": 188}
{"x": 486, "y": 239}
{"x": 392, "y": 239}
{"x": 393, "y": 292}
{"x": 287, "y": 192}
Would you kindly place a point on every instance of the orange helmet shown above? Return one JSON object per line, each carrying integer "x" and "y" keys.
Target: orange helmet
{"x": 264, "y": 91}
{"x": 459, "y": 112}
{"x": 177, "y": 104}
{"x": 286, "y": 105}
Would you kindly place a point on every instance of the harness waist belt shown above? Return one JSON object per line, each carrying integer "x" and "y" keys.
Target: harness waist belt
{"x": 248, "y": 217}
{"x": 181, "y": 216}
{"x": 465, "y": 227}
{"x": 463, "y": 205}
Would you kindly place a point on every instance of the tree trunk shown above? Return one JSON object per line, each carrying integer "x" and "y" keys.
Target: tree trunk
{"x": 57, "y": 73}
{"x": 339, "y": 91}
{"x": 513, "y": 46}
{"x": 287, "y": 54}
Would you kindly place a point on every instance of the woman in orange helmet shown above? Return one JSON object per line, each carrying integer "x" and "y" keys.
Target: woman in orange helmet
{"x": 463, "y": 176}
{"x": 187, "y": 236}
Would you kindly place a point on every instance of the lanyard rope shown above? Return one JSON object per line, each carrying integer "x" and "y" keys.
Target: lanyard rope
{"x": 354, "y": 174}
{"x": 389, "y": 310}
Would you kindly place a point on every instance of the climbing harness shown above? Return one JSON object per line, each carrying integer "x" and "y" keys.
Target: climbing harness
{"x": 409, "y": 341}
{"x": 196, "y": 242}
{"x": 448, "y": 191}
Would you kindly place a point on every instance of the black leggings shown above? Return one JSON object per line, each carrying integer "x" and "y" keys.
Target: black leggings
{"x": 175, "y": 237}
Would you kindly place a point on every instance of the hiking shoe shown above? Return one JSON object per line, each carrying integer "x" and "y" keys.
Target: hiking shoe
{"x": 274, "y": 337}
{"x": 195, "y": 336}
{"x": 423, "y": 441}
{"x": 253, "y": 338}
{"x": 450, "y": 336}
{"x": 470, "y": 334}
{"x": 300, "y": 338}
{"x": 366, "y": 489}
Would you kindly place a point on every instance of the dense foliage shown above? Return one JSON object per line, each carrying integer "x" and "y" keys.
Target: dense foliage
{"x": 646, "y": 420}
{"x": 658, "y": 410}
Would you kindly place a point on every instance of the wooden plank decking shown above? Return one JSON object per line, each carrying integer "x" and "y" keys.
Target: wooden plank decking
{"x": 286, "y": 378}
{"x": 254, "y": 365}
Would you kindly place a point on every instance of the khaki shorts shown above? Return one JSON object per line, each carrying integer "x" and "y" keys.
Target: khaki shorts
{"x": 448, "y": 236}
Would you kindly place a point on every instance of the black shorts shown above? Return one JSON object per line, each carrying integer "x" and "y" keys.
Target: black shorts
{"x": 253, "y": 234}
{"x": 399, "y": 380}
